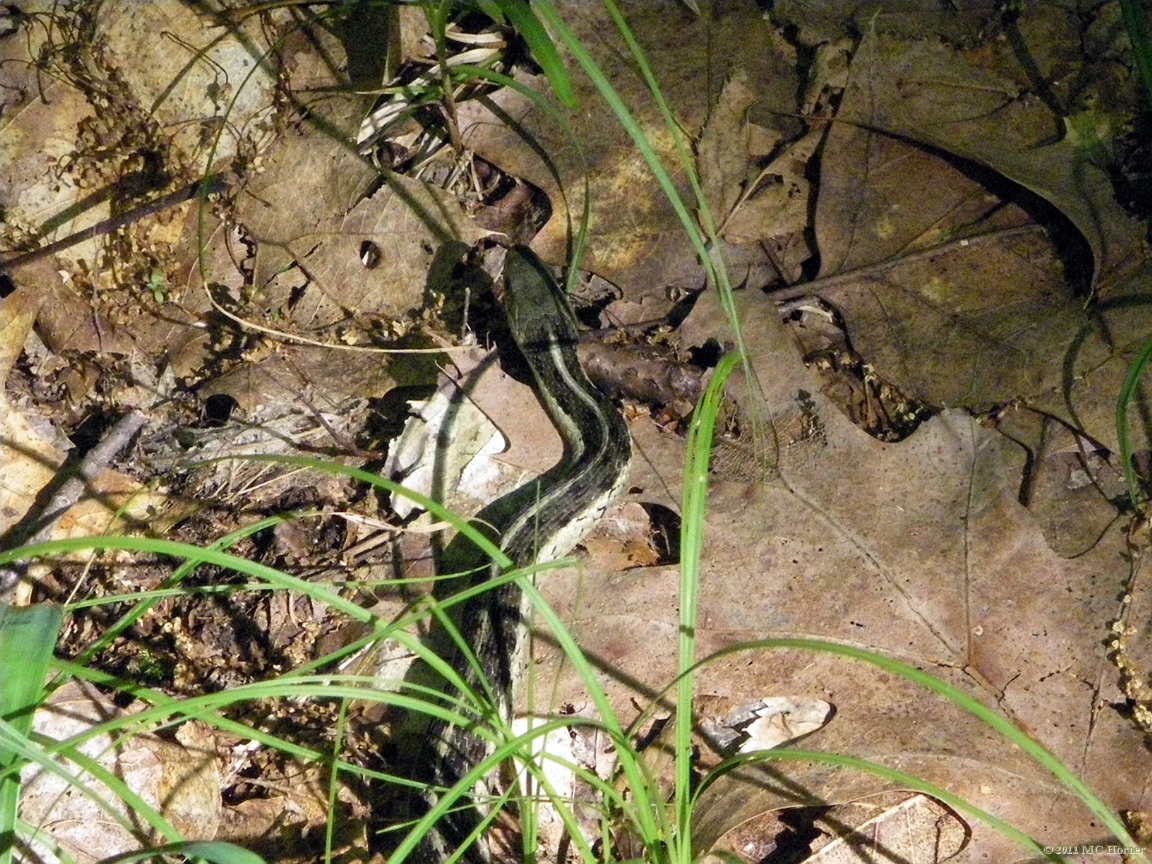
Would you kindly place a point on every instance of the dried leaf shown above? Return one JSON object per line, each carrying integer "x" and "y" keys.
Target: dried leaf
{"x": 307, "y": 210}
{"x": 918, "y": 830}
{"x": 956, "y": 578}
{"x": 180, "y": 783}
{"x": 636, "y": 239}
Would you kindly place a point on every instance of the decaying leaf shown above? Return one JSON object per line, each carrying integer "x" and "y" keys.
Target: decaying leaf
{"x": 309, "y": 210}
{"x": 918, "y": 830}
{"x": 636, "y": 238}
{"x": 956, "y": 578}
{"x": 768, "y": 722}
{"x": 179, "y": 783}
{"x": 30, "y": 451}
{"x": 756, "y": 205}
{"x": 927, "y": 93}
{"x": 954, "y": 294}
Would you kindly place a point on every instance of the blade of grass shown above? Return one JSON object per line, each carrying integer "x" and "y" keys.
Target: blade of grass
{"x": 438, "y": 510}
{"x": 209, "y": 706}
{"x": 706, "y": 242}
{"x": 27, "y": 640}
{"x": 215, "y": 851}
{"x": 626, "y": 119}
{"x": 1136, "y": 23}
{"x": 260, "y": 571}
{"x": 695, "y": 502}
{"x": 211, "y": 716}
{"x": 516, "y": 748}
{"x": 1127, "y": 394}
{"x": 543, "y": 50}
{"x": 713, "y": 261}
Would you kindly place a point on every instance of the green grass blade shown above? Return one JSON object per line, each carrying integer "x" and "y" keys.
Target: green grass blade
{"x": 174, "y": 711}
{"x": 543, "y": 49}
{"x": 27, "y": 640}
{"x": 683, "y": 148}
{"x": 42, "y": 753}
{"x": 709, "y": 238}
{"x": 705, "y": 242}
{"x": 691, "y": 547}
{"x": 1136, "y": 23}
{"x": 216, "y": 852}
{"x": 264, "y": 573}
{"x": 209, "y": 707}
{"x": 434, "y": 507}
{"x": 207, "y": 556}
{"x": 1127, "y": 394}
{"x": 626, "y": 120}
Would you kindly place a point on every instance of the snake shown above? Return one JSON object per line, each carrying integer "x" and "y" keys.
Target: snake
{"x": 537, "y": 523}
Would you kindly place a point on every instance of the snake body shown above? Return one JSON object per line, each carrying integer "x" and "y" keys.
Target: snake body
{"x": 538, "y": 523}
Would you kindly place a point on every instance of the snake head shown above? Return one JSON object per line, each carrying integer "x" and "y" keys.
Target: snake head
{"x": 537, "y": 310}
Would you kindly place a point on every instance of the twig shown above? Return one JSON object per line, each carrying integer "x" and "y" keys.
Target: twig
{"x": 851, "y": 278}
{"x": 201, "y": 188}
{"x": 95, "y": 461}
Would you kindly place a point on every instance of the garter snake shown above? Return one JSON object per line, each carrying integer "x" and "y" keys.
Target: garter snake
{"x": 540, "y": 522}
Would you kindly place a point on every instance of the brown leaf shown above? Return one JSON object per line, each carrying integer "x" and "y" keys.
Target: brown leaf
{"x": 945, "y": 288}
{"x": 150, "y": 47}
{"x": 921, "y": 551}
{"x": 181, "y": 782}
{"x": 971, "y": 324}
{"x": 725, "y": 144}
{"x": 917, "y": 829}
{"x": 30, "y": 448}
{"x": 928, "y": 93}
{"x": 307, "y": 209}
{"x": 636, "y": 238}
{"x": 38, "y": 133}
{"x": 816, "y": 23}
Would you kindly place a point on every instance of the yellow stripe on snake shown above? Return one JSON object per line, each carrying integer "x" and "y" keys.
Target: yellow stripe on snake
{"x": 538, "y": 523}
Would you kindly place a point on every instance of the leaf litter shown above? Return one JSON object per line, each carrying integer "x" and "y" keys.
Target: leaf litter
{"x": 972, "y": 248}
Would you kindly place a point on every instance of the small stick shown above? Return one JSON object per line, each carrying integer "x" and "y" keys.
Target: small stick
{"x": 201, "y": 188}
{"x": 95, "y": 461}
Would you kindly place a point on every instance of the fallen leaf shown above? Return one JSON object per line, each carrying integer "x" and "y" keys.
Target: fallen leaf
{"x": 196, "y": 79}
{"x": 919, "y": 550}
{"x": 928, "y": 93}
{"x": 314, "y": 207}
{"x": 181, "y": 784}
{"x": 636, "y": 239}
{"x": 30, "y": 449}
{"x": 918, "y": 830}
{"x": 951, "y": 292}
